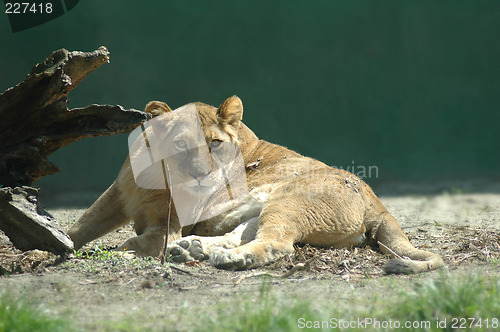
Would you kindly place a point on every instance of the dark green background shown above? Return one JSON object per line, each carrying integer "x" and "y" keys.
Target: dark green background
{"x": 412, "y": 87}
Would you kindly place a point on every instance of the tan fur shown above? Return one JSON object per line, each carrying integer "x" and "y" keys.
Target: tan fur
{"x": 293, "y": 199}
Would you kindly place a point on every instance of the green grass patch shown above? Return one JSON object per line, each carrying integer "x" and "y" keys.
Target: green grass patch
{"x": 100, "y": 258}
{"x": 416, "y": 304}
{"x": 269, "y": 312}
{"x": 12, "y": 269}
{"x": 99, "y": 252}
{"x": 469, "y": 302}
{"x": 444, "y": 304}
{"x": 17, "y": 315}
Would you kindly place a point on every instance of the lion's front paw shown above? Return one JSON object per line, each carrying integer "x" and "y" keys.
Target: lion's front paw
{"x": 122, "y": 252}
{"x": 141, "y": 246}
{"x": 185, "y": 250}
{"x": 230, "y": 259}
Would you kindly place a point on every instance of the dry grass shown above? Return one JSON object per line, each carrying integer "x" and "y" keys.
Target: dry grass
{"x": 14, "y": 261}
{"x": 457, "y": 245}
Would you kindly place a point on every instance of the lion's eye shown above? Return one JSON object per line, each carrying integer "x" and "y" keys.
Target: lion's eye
{"x": 215, "y": 144}
{"x": 180, "y": 145}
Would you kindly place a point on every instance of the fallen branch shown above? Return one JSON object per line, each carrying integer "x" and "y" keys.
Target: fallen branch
{"x": 35, "y": 123}
{"x": 27, "y": 225}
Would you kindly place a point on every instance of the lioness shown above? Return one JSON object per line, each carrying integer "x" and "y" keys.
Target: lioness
{"x": 292, "y": 199}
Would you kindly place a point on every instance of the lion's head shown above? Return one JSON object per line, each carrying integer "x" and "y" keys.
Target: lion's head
{"x": 194, "y": 151}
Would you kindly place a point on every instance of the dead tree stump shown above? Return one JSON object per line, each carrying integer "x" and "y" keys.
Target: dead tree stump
{"x": 35, "y": 122}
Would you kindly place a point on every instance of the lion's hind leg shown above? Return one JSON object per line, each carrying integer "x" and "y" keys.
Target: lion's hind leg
{"x": 407, "y": 259}
{"x": 272, "y": 241}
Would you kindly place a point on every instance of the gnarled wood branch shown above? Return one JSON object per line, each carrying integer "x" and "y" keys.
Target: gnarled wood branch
{"x": 35, "y": 122}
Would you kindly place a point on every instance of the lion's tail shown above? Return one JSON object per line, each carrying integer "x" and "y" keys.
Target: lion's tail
{"x": 407, "y": 259}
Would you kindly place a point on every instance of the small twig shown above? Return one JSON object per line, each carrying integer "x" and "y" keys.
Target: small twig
{"x": 188, "y": 288}
{"x": 88, "y": 282}
{"x": 389, "y": 250}
{"x": 253, "y": 274}
{"x": 10, "y": 255}
{"x": 130, "y": 281}
{"x": 299, "y": 267}
{"x": 166, "y": 174}
{"x": 179, "y": 269}
{"x": 297, "y": 249}
{"x": 254, "y": 165}
{"x": 186, "y": 272}
{"x": 465, "y": 256}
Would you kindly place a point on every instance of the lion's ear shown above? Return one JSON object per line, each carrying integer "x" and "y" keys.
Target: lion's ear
{"x": 231, "y": 111}
{"x": 156, "y": 108}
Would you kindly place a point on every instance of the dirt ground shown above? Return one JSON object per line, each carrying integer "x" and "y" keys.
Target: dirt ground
{"x": 462, "y": 223}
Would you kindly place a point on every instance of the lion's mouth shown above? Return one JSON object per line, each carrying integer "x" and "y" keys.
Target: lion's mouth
{"x": 200, "y": 186}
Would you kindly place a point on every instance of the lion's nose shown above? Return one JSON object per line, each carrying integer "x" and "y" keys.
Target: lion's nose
{"x": 199, "y": 166}
{"x": 199, "y": 176}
